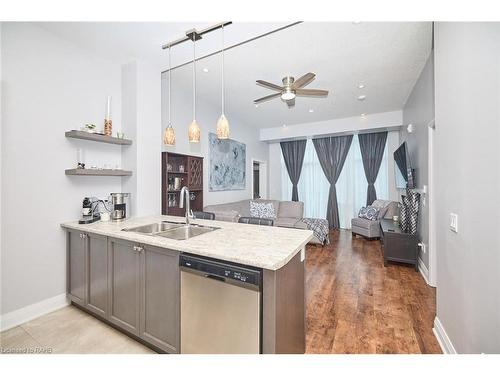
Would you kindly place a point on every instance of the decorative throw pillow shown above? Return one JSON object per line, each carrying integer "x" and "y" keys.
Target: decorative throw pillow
{"x": 262, "y": 210}
{"x": 370, "y": 213}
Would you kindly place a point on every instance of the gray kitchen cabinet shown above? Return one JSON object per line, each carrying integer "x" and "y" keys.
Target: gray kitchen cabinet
{"x": 133, "y": 286}
{"x": 76, "y": 267}
{"x": 160, "y": 298}
{"x": 124, "y": 285}
{"x": 97, "y": 274}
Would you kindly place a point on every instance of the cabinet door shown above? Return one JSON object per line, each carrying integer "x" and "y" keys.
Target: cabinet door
{"x": 124, "y": 282}
{"x": 76, "y": 279}
{"x": 160, "y": 322}
{"x": 195, "y": 172}
{"x": 97, "y": 274}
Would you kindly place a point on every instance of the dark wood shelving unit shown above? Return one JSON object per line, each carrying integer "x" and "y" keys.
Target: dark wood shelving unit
{"x": 192, "y": 177}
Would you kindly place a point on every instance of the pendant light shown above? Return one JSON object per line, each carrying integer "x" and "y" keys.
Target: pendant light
{"x": 222, "y": 123}
{"x": 194, "y": 129}
{"x": 169, "y": 133}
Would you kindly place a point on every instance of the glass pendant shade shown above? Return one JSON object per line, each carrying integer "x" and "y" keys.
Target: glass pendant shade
{"x": 222, "y": 128}
{"x": 169, "y": 136}
{"x": 194, "y": 132}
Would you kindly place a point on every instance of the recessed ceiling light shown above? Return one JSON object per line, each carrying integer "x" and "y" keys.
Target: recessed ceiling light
{"x": 362, "y": 97}
{"x": 356, "y": 22}
{"x": 361, "y": 86}
{"x": 256, "y": 106}
{"x": 363, "y": 115}
{"x": 205, "y": 70}
{"x": 311, "y": 110}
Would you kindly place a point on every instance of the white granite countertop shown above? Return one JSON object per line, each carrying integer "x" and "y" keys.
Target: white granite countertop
{"x": 255, "y": 245}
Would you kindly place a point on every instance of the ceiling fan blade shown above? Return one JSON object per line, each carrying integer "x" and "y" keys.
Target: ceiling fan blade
{"x": 290, "y": 103}
{"x": 265, "y": 98}
{"x": 269, "y": 85}
{"x": 311, "y": 92}
{"x": 304, "y": 80}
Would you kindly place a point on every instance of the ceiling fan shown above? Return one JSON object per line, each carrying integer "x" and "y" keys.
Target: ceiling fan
{"x": 290, "y": 89}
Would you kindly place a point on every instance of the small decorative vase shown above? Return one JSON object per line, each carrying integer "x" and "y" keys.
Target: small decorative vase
{"x": 108, "y": 127}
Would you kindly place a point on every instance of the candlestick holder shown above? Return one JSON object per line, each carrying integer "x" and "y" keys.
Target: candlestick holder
{"x": 108, "y": 127}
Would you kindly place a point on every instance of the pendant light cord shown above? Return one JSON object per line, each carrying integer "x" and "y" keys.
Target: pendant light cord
{"x": 222, "y": 68}
{"x": 169, "y": 87}
{"x": 194, "y": 80}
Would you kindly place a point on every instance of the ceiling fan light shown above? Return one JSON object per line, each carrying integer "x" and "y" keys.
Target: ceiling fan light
{"x": 169, "y": 136}
{"x": 194, "y": 132}
{"x": 288, "y": 95}
{"x": 222, "y": 128}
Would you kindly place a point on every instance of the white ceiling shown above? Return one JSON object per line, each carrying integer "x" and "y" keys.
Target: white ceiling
{"x": 125, "y": 41}
{"x": 386, "y": 57}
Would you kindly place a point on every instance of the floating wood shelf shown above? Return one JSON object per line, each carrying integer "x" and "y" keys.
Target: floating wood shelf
{"x": 78, "y": 134}
{"x": 97, "y": 172}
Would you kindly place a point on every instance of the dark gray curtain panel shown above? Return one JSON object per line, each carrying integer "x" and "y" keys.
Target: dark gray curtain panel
{"x": 372, "y": 147}
{"x": 293, "y": 154}
{"x": 332, "y": 153}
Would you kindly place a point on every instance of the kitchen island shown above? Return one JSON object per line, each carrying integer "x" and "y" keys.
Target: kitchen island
{"x": 131, "y": 280}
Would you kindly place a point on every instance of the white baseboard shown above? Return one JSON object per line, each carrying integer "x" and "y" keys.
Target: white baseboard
{"x": 25, "y": 314}
{"x": 442, "y": 338}
{"x": 423, "y": 270}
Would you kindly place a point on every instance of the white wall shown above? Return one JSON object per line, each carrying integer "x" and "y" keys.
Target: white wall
{"x": 419, "y": 111}
{"x": 371, "y": 122}
{"x": 467, "y": 182}
{"x": 141, "y": 95}
{"x": 207, "y": 117}
{"x": 49, "y": 86}
{"x": 275, "y": 171}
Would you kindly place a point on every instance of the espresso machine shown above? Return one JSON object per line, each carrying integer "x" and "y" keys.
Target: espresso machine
{"x": 89, "y": 212}
{"x": 120, "y": 206}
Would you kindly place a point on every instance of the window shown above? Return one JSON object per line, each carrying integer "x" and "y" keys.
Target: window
{"x": 351, "y": 186}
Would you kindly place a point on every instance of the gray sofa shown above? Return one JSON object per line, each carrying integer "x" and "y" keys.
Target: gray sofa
{"x": 288, "y": 214}
{"x": 371, "y": 228}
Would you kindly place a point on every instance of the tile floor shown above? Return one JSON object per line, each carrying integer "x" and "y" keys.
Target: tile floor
{"x": 68, "y": 330}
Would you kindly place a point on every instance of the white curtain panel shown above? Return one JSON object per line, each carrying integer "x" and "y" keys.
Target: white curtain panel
{"x": 351, "y": 186}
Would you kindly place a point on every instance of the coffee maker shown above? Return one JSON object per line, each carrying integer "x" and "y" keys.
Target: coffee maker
{"x": 120, "y": 206}
{"x": 89, "y": 214}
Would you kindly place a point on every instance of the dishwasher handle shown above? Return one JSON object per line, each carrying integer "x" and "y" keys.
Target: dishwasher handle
{"x": 215, "y": 277}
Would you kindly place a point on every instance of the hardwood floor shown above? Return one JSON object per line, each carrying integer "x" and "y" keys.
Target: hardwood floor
{"x": 356, "y": 305}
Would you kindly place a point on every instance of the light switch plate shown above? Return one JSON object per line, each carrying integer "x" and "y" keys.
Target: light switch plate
{"x": 454, "y": 222}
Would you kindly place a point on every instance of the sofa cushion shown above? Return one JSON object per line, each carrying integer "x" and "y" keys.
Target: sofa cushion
{"x": 363, "y": 223}
{"x": 291, "y": 209}
{"x": 288, "y": 222}
{"x": 382, "y": 206}
{"x": 262, "y": 210}
{"x": 229, "y": 215}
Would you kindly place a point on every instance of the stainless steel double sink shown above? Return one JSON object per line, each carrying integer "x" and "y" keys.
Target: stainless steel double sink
{"x": 172, "y": 229}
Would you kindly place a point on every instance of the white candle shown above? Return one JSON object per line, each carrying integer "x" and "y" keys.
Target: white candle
{"x": 108, "y": 109}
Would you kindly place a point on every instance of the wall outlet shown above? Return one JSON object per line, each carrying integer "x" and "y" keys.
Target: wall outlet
{"x": 454, "y": 222}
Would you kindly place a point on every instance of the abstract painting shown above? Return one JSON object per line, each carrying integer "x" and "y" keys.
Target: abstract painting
{"x": 227, "y": 164}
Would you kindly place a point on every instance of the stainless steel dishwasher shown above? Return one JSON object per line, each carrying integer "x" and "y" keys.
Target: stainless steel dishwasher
{"x": 220, "y": 307}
